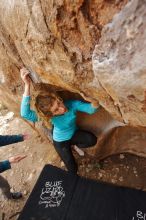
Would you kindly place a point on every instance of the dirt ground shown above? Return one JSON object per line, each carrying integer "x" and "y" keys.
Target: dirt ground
{"x": 123, "y": 169}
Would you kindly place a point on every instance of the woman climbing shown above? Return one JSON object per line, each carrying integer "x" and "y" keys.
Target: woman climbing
{"x": 63, "y": 118}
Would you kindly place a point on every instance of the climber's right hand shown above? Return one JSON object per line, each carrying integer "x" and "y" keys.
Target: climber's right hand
{"x": 25, "y": 75}
{"x": 94, "y": 102}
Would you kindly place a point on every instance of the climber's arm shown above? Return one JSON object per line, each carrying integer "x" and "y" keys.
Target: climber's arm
{"x": 26, "y": 112}
{"x": 25, "y": 78}
{"x": 85, "y": 106}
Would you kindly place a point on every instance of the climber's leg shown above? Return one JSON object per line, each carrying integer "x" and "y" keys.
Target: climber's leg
{"x": 63, "y": 148}
{"x": 83, "y": 139}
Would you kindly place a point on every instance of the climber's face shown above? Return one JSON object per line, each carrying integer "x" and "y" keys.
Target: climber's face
{"x": 58, "y": 107}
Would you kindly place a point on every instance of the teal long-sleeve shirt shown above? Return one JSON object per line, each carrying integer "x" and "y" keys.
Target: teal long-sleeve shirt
{"x": 64, "y": 125}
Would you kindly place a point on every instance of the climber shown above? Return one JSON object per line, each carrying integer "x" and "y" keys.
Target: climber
{"x": 5, "y": 165}
{"x": 63, "y": 118}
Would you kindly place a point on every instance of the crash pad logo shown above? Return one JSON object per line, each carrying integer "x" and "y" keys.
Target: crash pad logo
{"x": 52, "y": 194}
{"x": 139, "y": 216}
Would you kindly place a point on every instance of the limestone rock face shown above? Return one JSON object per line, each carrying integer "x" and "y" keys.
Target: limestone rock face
{"x": 119, "y": 62}
{"x": 54, "y": 38}
{"x": 70, "y": 46}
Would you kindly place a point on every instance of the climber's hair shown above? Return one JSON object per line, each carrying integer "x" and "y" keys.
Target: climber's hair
{"x": 44, "y": 102}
